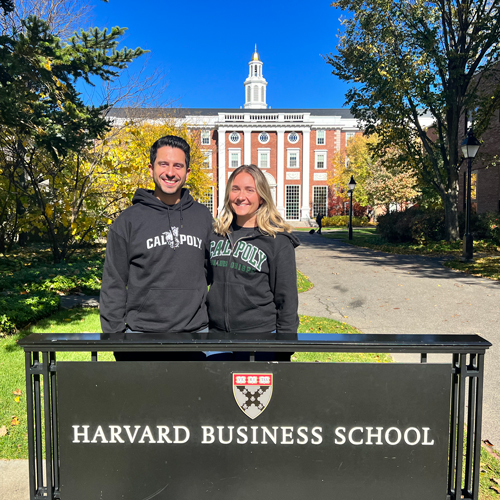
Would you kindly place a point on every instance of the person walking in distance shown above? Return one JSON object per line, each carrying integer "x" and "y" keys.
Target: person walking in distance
{"x": 319, "y": 219}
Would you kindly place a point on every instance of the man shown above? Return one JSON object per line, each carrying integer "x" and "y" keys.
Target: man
{"x": 319, "y": 218}
{"x": 154, "y": 277}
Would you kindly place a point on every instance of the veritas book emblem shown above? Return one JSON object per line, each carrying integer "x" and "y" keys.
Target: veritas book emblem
{"x": 252, "y": 392}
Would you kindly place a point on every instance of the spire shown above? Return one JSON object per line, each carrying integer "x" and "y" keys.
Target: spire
{"x": 255, "y": 56}
{"x": 255, "y": 84}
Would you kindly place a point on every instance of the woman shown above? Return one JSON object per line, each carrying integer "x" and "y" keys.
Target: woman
{"x": 252, "y": 254}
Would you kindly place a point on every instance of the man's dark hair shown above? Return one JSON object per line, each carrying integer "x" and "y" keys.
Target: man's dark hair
{"x": 172, "y": 141}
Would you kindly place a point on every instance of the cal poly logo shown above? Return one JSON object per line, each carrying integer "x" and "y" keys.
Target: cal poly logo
{"x": 252, "y": 392}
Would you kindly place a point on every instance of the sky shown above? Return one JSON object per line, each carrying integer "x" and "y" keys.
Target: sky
{"x": 203, "y": 49}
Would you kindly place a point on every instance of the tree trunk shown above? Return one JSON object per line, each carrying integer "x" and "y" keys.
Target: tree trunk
{"x": 450, "y": 201}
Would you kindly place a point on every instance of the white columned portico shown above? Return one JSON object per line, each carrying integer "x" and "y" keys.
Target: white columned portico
{"x": 221, "y": 169}
{"x": 280, "y": 169}
{"x": 247, "y": 146}
{"x": 306, "y": 155}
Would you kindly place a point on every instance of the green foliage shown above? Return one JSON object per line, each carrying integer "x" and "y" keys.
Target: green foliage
{"x": 410, "y": 59}
{"x": 413, "y": 224}
{"x": 343, "y": 221}
{"x": 20, "y": 310}
{"x": 30, "y": 286}
{"x": 420, "y": 225}
{"x": 47, "y": 133}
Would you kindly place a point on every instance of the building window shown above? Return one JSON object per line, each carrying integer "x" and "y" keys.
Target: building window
{"x": 263, "y": 137}
{"x": 248, "y": 93}
{"x": 292, "y": 202}
{"x": 234, "y": 137}
{"x": 256, "y": 93}
{"x": 293, "y": 137}
{"x": 207, "y": 199}
{"x": 262, "y": 96}
{"x": 293, "y": 158}
{"x": 320, "y": 137}
{"x": 349, "y": 135}
{"x": 320, "y": 159}
{"x": 264, "y": 158}
{"x": 234, "y": 158}
{"x": 207, "y": 159}
{"x": 205, "y": 137}
{"x": 320, "y": 199}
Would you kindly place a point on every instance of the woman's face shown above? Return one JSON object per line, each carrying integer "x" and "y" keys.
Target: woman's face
{"x": 244, "y": 199}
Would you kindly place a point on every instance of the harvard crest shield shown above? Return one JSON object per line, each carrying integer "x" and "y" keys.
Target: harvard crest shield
{"x": 252, "y": 392}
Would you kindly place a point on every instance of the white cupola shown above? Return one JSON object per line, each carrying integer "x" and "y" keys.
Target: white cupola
{"x": 255, "y": 84}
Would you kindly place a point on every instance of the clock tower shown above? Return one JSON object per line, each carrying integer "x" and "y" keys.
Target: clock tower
{"x": 255, "y": 84}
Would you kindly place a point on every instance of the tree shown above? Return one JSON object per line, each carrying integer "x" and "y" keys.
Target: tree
{"x": 130, "y": 147}
{"x": 45, "y": 128}
{"x": 356, "y": 161}
{"x": 407, "y": 59}
{"x": 380, "y": 180}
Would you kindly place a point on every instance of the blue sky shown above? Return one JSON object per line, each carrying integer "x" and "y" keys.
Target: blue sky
{"x": 203, "y": 48}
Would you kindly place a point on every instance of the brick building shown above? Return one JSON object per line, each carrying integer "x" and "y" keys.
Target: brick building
{"x": 293, "y": 147}
{"x": 486, "y": 166}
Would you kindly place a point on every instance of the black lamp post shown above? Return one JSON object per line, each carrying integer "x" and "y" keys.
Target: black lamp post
{"x": 352, "y": 185}
{"x": 470, "y": 146}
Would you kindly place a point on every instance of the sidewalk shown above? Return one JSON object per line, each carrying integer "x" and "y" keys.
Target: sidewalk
{"x": 385, "y": 293}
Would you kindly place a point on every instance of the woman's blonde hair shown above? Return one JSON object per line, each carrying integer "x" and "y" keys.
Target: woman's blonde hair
{"x": 269, "y": 220}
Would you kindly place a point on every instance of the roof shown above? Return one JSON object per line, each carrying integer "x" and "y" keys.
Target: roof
{"x": 158, "y": 113}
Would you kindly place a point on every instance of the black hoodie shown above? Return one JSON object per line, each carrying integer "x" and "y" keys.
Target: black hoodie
{"x": 154, "y": 277}
{"x": 254, "y": 287}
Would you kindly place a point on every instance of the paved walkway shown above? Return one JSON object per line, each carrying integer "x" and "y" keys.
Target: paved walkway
{"x": 385, "y": 293}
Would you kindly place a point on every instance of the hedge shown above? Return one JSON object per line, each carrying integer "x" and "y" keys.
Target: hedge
{"x": 343, "y": 220}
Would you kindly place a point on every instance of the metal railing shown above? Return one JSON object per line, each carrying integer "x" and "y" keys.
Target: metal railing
{"x": 466, "y": 369}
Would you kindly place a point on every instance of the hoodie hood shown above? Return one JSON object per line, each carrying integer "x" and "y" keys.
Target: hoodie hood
{"x": 146, "y": 197}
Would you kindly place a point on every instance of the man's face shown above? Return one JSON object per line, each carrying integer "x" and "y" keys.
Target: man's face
{"x": 169, "y": 174}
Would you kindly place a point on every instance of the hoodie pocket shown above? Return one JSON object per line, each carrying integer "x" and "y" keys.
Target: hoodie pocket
{"x": 164, "y": 310}
{"x": 242, "y": 312}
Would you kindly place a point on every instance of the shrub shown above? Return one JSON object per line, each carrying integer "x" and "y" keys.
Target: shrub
{"x": 20, "y": 310}
{"x": 343, "y": 221}
{"x": 419, "y": 225}
{"x": 412, "y": 225}
{"x": 84, "y": 277}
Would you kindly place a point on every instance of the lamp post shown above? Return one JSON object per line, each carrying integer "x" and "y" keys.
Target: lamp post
{"x": 470, "y": 146}
{"x": 352, "y": 185}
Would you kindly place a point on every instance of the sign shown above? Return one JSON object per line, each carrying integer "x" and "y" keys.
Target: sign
{"x": 246, "y": 431}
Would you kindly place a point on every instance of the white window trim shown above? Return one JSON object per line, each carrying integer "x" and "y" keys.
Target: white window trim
{"x": 318, "y": 152}
{"x": 325, "y": 208}
{"x": 207, "y": 153}
{"x": 298, "y": 137}
{"x": 212, "y": 201}
{"x": 317, "y": 137}
{"x": 347, "y": 137}
{"x": 300, "y": 198}
{"x": 264, "y": 150}
{"x": 201, "y": 137}
{"x": 288, "y": 154}
{"x": 231, "y": 151}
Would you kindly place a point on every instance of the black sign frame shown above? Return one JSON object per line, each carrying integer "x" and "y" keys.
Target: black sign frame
{"x": 466, "y": 370}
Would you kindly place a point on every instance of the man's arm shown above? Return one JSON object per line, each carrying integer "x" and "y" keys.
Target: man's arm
{"x": 113, "y": 298}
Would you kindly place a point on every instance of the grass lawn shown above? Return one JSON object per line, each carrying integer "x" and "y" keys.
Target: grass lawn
{"x": 13, "y": 429}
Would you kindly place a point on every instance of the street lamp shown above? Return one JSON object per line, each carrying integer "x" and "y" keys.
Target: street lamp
{"x": 470, "y": 146}
{"x": 352, "y": 185}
